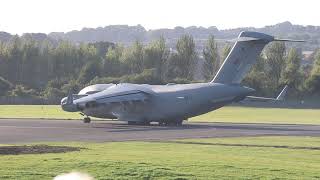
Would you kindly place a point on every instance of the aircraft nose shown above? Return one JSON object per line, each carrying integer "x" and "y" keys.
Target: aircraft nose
{"x": 68, "y": 107}
{"x": 63, "y": 100}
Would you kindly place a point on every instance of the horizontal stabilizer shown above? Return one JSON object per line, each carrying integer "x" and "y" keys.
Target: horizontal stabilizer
{"x": 245, "y": 39}
{"x": 288, "y": 40}
{"x": 280, "y": 97}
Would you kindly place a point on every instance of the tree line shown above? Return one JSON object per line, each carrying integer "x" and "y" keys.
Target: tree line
{"x": 33, "y": 68}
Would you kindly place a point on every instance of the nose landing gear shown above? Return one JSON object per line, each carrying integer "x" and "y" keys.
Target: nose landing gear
{"x": 86, "y": 118}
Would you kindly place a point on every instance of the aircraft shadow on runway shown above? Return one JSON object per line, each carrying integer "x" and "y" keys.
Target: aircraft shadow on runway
{"x": 116, "y": 127}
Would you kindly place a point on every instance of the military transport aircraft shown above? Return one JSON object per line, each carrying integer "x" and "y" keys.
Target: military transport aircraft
{"x": 171, "y": 104}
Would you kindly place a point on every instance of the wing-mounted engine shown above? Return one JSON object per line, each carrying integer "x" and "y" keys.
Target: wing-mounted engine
{"x": 123, "y": 97}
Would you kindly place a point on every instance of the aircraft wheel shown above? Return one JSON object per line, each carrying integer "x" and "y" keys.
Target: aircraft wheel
{"x": 162, "y": 123}
{"x": 86, "y": 120}
{"x": 174, "y": 123}
{"x": 144, "y": 123}
{"x": 147, "y": 123}
{"x": 179, "y": 122}
{"x": 170, "y": 123}
{"x": 132, "y": 123}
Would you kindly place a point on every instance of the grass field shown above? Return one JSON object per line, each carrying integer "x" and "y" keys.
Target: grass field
{"x": 36, "y": 111}
{"x": 225, "y": 114}
{"x": 262, "y": 115}
{"x": 174, "y": 160}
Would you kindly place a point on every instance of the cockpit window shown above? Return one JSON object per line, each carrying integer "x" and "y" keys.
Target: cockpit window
{"x": 94, "y": 89}
{"x": 92, "y": 92}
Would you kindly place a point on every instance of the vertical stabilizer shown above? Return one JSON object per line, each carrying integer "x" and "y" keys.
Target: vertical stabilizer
{"x": 242, "y": 56}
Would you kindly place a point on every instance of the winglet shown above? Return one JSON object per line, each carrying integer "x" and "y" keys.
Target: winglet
{"x": 282, "y": 93}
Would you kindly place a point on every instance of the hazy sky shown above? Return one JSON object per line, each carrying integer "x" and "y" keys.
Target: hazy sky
{"x": 19, "y": 16}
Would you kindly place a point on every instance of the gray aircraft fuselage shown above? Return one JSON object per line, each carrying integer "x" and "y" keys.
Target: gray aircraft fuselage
{"x": 170, "y": 102}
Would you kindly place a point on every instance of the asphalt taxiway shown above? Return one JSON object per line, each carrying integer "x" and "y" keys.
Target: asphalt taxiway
{"x": 14, "y": 131}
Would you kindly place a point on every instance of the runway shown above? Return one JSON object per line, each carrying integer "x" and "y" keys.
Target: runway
{"x": 15, "y": 131}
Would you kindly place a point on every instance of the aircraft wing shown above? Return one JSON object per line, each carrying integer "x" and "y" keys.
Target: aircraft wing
{"x": 122, "y": 97}
{"x": 125, "y": 96}
{"x": 280, "y": 97}
{"x": 117, "y": 95}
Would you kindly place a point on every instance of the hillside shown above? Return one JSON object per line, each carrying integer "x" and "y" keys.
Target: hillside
{"x": 127, "y": 34}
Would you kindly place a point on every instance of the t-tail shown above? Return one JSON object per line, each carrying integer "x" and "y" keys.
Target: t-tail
{"x": 243, "y": 56}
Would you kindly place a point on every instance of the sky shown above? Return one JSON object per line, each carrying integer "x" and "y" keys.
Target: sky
{"x": 22, "y": 16}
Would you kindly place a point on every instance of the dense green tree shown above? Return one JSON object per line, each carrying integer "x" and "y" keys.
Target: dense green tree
{"x": 29, "y": 62}
{"x": 106, "y": 80}
{"x": 275, "y": 54}
{"x": 148, "y": 76}
{"x": 89, "y": 71}
{"x": 174, "y": 69}
{"x": 291, "y": 73}
{"x": 132, "y": 58}
{"x": 22, "y": 91}
{"x": 313, "y": 82}
{"x": 257, "y": 78}
{"x": 14, "y": 60}
{"x": 156, "y": 56}
{"x": 5, "y": 86}
{"x": 73, "y": 86}
{"x": 225, "y": 51}
{"x": 112, "y": 65}
{"x": 187, "y": 56}
{"x": 55, "y": 94}
{"x": 211, "y": 59}
{"x": 52, "y": 68}
{"x": 102, "y": 47}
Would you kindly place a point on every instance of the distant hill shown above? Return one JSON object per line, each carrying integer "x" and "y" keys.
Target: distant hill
{"x": 127, "y": 34}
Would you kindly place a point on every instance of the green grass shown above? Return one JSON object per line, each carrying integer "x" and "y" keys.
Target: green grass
{"x": 170, "y": 160}
{"x": 36, "y": 111}
{"x": 225, "y": 114}
{"x": 261, "y": 115}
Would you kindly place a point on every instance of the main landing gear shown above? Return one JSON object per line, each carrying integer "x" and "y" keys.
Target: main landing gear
{"x": 161, "y": 123}
{"x": 171, "y": 123}
{"x": 142, "y": 123}
{"x": 86, "y": 120}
